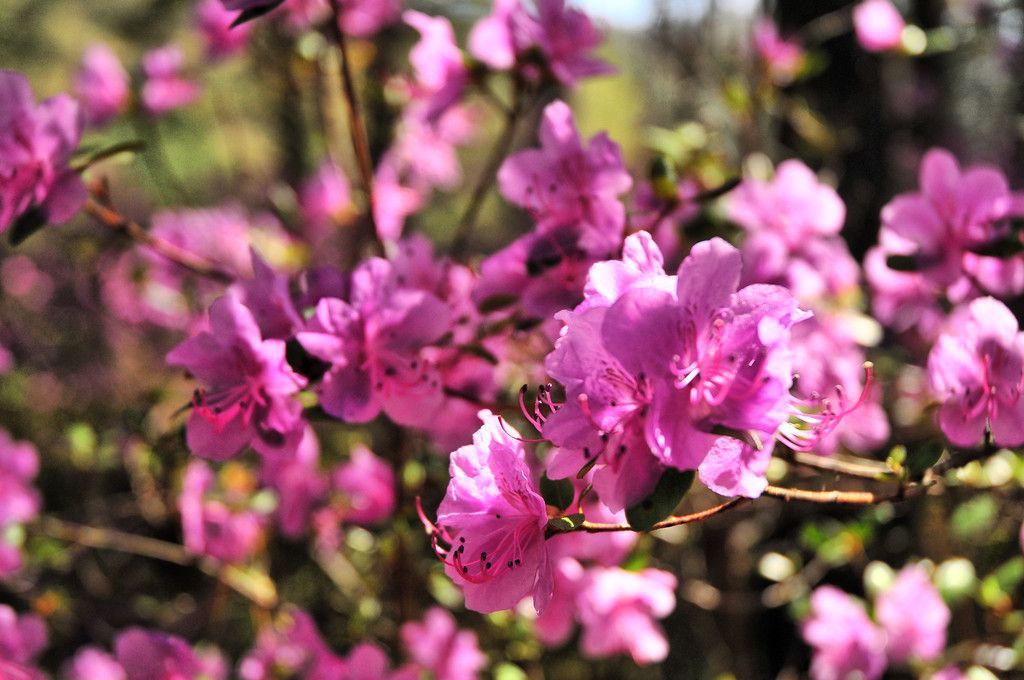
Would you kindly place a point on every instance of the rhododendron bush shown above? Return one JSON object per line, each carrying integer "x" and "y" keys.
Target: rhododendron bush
{"x": 393, "y": 339}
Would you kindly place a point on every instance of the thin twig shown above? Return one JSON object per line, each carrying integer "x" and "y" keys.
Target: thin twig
{"x": 861, "y": 467}
{"x": 109, "y": 216}
{"x": 104, "y": 538}
{"x": 487, "y": 176}
{"x": 842, "y": 497}
{"x": 356, "y": 126}
{"x": 597, "y": 527}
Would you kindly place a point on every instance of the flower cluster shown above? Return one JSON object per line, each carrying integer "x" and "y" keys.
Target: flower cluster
{"x": 846, "y": 642}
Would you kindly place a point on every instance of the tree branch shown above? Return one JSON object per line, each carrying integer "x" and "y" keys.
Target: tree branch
{"x": 676, "y": 520}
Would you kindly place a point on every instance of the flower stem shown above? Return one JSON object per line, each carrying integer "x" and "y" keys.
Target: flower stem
{"x": 106, "y": 214}
{"x": 676, "y": 520}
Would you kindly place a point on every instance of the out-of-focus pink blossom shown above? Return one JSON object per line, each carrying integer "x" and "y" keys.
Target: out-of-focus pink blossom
{"x": 845, "y": 641}
{"x": 878, "y": 25}
{"x": 665, "y": 221}
{"x": 249, "y": 393}
{"x": 165, "y": 89}
{"x": 36, "y": 143}
{"x": 22, "y": 637}
{"x": 492, "y": 38}
{"x": 91, "y": 663}
{"x": 217, "y": 525}
{"x": 566, "y": 183}
{"x": 325, "y": 199}
{"x": 299, "y": 484}
{"x": 19, "y": 500}
{"x": 914, "y": 617}
{"x": 793, "y": 224}
{"x": 977, "y": 371}
{"x": 555, "y": 625}
{"x": 367, "y": 661}
{"x": 492, "y": 522}
{"x": 292, "y": 647}
{"x": 366, "y": 485}
{"x": 783, "y": 57}
{"x": 438, "y": 645}
{"x": 393, "y": 200}
{"x": 101, "y": 85}
{"x": 618, "y": 610}
{"x": 942, "y": 228}
{"x": 375, "y": 343}
{"x": 441, "y": 74}
{"x": 153, "y": 655}
{"x": 214, "y": 23}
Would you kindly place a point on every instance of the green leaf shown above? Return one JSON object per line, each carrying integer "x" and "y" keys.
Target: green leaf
{"x": 556, "y": 492}
{"x": 255, "y": 13}
{"x": 561, "y": 525}
{"x": 920, "y": 458}
{"x": 902, "y": 263}
{"x": 974, "y": 519}
{"x": 481, "y": 352}
{"x": 666, "y": 496}
{"x": 26, "y": 225}
{"x": 124, "y": 146}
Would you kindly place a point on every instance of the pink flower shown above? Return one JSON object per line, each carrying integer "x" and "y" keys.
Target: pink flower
{"x": 555, "y": 625}
{"x": 367, "y": 487}
{"x": 845, "y": 641}
{"x": 250, "y": 390}
{"x": 165, "y": 89}
{"x": 91, "y": 663}
{"x": 101, "y": 85}
{"x": 955, "y": 214}
{"x": 492, "y": 38}
{"x": 213, "y": 526}
{"x": 214, "y": 23}
{"x": 292, "y": 647}
{"x": 878, "y": 25}
{"x": 491, "y": 523}
{"x": 438, "y": 645}
{"x": 152, "y": 655}
{"x": 441, "y": 74}
{"x": 976, "y": 369}
{"x": 299, "y": 484}
{"x": 564, "y": 183}
{"x": 566, "y": 36}
{"x": 393, "y": 200}
{"x": 652, "y": 364}
{"x": 914, "y": 617}
{"x": 325, "y": 199}
{"x": 782, "y": 57}
{"x": 367, "y": 661}
{"x": 618, "y": 609}
{"x": 19, "y": 500}
{"x": 374, "y": 343}
{"x": 793, "y": 225}
{"x": 22, "y": 637}
{"x": 365, "y": 18}
{"x": 36, "y": 143}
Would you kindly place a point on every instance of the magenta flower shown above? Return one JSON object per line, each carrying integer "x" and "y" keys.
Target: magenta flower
{"x": 374, "y": 343}
{"x": 365, "y": 18}
{"x": 214, "y": 23}
{"x": 652, "y": 364}
{"x": 292, "y": 647}
{"x": 367, "y": 661}
{"x": 441, "y": 74}
{"x": 250, "y": 390}
{"x": 914, "y": 617}
{"x": 940, "y": 227}
{"x": 438, "y": 645}
{"x": 564, "y": 183}
{"x": 845, "y": 641}
{"x": 299, "y": 484}
{"x": 783, "y": 58}
{"x": 19, "y": 500}
{"x": 393, "y": 200}
{"x": 618, "y": 609}
{"x": 91, "y": 663}
{"x": 325, "y": 198}
{"x": 555, "y": 625}
{"x": 215, "y": 526}
{"x": 977, "y": 371}
{"x": 22, "y": 637}
{"x": 566, "y": 37}
{"x": 492, "y": 39}
{"x": 878, "y": 25}
{"x": 366, "y": 486}
{"x": 165, "y": 89}
{"x": 101, "y": 85}
{"x": 152, "y": 655}
{"x": 491, "y": 523}
{"x": 793, "y": 225}
{"x": 36, "y": 143}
